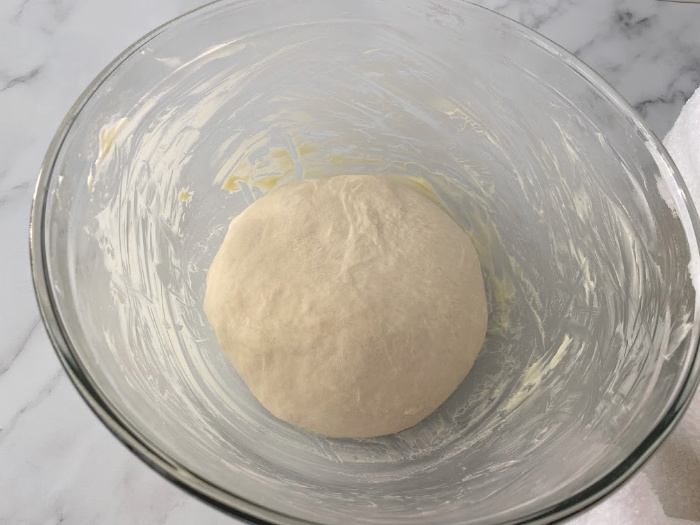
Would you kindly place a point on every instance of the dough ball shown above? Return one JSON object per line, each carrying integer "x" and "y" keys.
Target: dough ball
{"x": 351, "y": 306}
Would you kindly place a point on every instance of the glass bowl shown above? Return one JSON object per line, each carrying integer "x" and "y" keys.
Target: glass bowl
{"x": 585, "y": 232}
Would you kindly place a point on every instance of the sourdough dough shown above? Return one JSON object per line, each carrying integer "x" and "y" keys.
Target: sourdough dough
{"x": 351, "y": 306}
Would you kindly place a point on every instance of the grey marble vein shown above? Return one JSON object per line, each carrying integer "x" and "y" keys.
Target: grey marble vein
{"x": 36, "y": 400}
{"x": 8, "y": 194}
{"x": 21, "y": 79}
{"x": 7, "y": 361}
{"x": 20, "y": 11}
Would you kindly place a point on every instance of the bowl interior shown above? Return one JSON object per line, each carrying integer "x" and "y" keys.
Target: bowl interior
{"x": 582, "y": 231}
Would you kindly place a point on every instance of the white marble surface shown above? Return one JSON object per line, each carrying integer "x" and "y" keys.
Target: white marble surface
{"x": 58, "y": 464}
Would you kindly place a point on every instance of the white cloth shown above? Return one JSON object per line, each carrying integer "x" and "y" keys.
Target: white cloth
{"x": 667, "y": 490}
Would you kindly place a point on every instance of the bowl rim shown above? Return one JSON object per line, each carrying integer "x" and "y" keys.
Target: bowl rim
{"x": 239, "y": 507}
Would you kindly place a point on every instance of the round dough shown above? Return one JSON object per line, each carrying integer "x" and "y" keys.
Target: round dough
{"x": 351, "y": 306}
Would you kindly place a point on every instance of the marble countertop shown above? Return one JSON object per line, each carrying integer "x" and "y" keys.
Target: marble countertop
{"x": 58, "y": 463}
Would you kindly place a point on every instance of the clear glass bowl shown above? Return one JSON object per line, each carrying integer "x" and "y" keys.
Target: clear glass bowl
{"x": 585, "y": 233}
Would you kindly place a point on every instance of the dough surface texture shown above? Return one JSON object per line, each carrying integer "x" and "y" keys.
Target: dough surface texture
{"x": 351, "y": 306}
